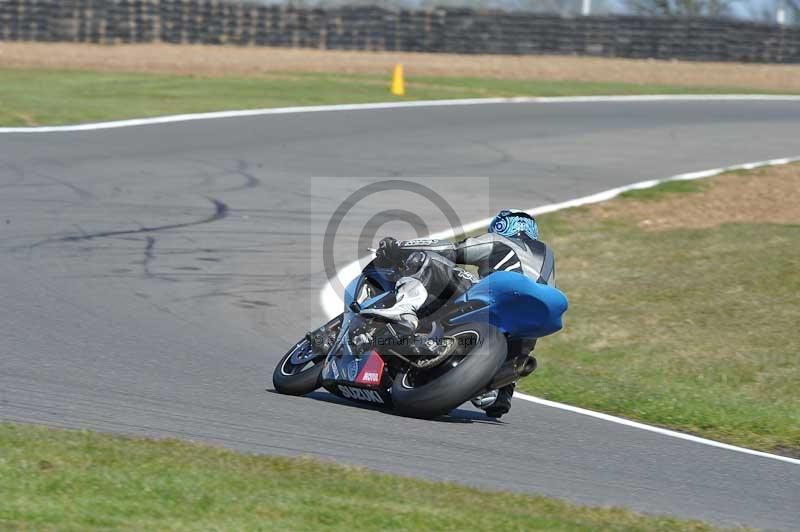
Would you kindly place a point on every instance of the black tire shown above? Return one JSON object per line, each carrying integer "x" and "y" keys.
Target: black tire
{"x": 458, "y": 384}
{"x": 298, "y": 378}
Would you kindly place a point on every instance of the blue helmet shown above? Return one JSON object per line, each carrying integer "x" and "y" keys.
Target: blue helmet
{"x": 512, "y": 223}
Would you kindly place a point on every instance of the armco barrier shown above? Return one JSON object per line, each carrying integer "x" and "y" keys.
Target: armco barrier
{"x": 238, "y": 22}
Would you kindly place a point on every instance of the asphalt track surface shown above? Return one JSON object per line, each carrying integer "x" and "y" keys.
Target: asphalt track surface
{"x": 152, "y": 276}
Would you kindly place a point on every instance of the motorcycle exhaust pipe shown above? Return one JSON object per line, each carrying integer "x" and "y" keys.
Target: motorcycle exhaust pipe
{"x": 505, "y": 375}
{"x": 528, "y": 367}
{"x": 509, "y": 373}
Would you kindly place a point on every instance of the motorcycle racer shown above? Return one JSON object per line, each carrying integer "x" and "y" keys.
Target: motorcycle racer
{"x": 430, "y": 277}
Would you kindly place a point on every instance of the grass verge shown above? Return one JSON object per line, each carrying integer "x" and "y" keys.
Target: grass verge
{"x": 48, "y": 97}
{"x": 684, "y": 308}
{"x": 69, "y": 480}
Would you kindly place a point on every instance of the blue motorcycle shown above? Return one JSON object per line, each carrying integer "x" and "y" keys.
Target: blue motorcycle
{"x": 460, "y": 349}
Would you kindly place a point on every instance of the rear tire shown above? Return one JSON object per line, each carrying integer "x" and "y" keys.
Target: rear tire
{"x": 459, "y": 384}
{"x": 300, "y": 375}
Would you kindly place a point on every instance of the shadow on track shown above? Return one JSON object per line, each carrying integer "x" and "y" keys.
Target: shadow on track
{"x": 459, "y": 415}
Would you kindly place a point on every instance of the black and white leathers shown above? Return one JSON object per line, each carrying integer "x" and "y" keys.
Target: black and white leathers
{"x": 431, "y": 275}
{"x": 491, "y": 252}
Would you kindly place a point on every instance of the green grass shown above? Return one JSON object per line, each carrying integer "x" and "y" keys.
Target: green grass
{"x": 693, "y": 329}
{"x": 45, "y": 97}
{"x": 68, "y": 480}
{"x": 662, "y": 190}
{"x": 510, "y": 88}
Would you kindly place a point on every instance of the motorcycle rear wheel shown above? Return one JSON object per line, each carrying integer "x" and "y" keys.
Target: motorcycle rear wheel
{"x": 430, "y": 393}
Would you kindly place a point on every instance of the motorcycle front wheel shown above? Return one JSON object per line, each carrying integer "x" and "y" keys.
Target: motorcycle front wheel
{"x": 299, "y": 371}
{"x": 481, "y": 350}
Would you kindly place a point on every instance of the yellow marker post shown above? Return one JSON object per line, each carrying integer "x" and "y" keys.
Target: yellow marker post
{"x": 398, "y": 83}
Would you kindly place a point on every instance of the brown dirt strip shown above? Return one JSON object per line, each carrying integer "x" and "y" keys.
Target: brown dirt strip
{"x": 254, "y": 61}
{"x": 768, "y": 195}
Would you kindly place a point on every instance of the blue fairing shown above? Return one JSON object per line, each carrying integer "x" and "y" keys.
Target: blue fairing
{"x": 510, "y": 301}
{"x": 515, "y": 304}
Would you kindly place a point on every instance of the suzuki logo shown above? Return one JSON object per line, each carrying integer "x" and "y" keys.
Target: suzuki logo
{"x": 358, "y": 394}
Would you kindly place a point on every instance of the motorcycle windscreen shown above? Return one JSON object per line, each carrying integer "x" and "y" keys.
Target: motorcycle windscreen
{"x": 371, "y": 282}
{"x": 515, "y": 304}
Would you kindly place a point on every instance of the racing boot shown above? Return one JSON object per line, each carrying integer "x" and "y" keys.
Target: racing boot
{"x": 502, "y": 404}
{"x": 495, "y": 402}
{"x": 485, "y": 400}
{"x": 410, "y": 296}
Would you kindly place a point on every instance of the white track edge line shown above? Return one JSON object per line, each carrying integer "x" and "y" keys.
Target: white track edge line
{"x": 651, "y": 428}
{"x": 397, "y": 105}
{"x": 331, "y": 302}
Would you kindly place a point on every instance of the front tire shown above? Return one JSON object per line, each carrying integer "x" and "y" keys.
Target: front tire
{"x": 299, "y": 371}
{"x": 475, "y": 366}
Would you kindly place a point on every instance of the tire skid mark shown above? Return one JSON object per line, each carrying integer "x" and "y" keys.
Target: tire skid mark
{"x": 221, "y": 210}
{"x": 82, "y": 193}
{"x": 251, "y": 181}
{"x": 149, "y": 256}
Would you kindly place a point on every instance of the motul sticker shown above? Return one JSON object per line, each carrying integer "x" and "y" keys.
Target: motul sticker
{"x": 358, "y": 394}
{"x": 372, "y": 370}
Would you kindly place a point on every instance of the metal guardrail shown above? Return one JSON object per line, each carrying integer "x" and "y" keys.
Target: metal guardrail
{"x": 372, "y": 28}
